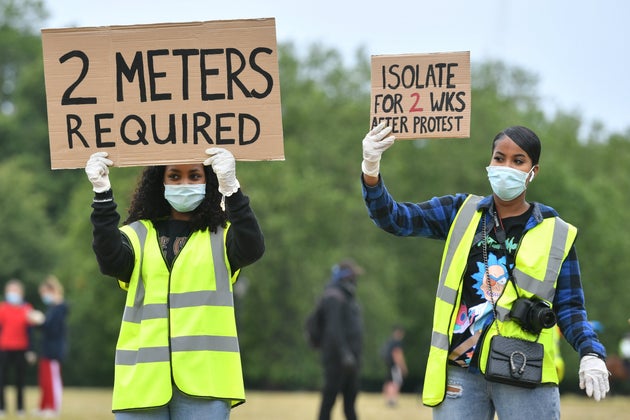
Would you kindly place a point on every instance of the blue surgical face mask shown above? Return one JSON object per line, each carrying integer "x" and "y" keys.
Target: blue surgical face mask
{"x": 48, "y": 299}
{"x": 508, "y": 183}
{"x": 13, "y": 298}
{"x": 185, "y": 197}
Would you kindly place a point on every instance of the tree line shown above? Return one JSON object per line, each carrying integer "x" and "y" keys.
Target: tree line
{"x": 311, "y": 210}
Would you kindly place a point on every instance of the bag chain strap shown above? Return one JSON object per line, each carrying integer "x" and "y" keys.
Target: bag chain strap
{"x": 484, "y": 248}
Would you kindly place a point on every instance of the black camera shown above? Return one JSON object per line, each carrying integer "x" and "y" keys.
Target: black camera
{"x": 532, "y": 314}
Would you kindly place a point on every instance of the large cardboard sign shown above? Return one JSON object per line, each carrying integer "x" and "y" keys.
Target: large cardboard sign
{"x": 422, "y": 95}
{"x": 163, "y": 93}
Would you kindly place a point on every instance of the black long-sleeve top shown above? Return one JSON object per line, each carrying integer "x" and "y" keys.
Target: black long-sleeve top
{"x": 114, "y": 254}
{"x": 53, "y": 344}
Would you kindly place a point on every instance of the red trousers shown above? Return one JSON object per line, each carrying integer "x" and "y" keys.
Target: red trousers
{"x": 50, "y": 385}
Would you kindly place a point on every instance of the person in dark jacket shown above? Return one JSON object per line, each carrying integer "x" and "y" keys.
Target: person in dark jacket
{"x": 53, "y": 347}
{"x": 342, "y": 339}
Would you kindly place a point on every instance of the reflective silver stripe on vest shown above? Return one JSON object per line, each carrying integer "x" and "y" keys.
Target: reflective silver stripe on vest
{"x": 143, "y": 355}
{"x": 204, "y": 342}
{"x": 439, "y": 340}
{"x": 546, "y": 288}
{"x": 149, "y": 311}
{"x": 190, "y": 343}
{"x": 447, "y": 294}
{"x": 136, "y": 312}
{"x": 220, "y": 268}
{"x": 502, "y": 313}
{"x": 205, "y": 298}
{"x": 462, "y": 221}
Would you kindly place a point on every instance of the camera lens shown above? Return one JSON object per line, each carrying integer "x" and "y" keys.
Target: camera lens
{"x": 547, "y": 318}
{"x": 542, "y": 317}
{"x": 532, "y": 315}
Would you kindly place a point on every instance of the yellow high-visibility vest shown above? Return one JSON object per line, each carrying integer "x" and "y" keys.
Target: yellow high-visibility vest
{"x": 538, "y": 260}
{"x": 178, "y": 326}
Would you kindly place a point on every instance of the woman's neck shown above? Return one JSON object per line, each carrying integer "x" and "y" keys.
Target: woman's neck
{"x": 511, "y": 208}
{"x": 175, "y": 215}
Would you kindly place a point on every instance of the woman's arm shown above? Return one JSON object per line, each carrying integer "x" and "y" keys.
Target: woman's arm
{"x": 431, "y": 219}
{"x": 245, "y": 241}
{"x": 113, "y": 253}
{"x": 569, "y": 306}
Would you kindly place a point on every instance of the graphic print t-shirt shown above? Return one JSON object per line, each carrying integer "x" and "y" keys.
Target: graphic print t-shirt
{"x": 475, "y": 311}
{"x": 173, "y": 236}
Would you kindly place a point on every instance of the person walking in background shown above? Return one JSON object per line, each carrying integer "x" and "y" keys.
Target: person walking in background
{"x": 510, "y": 269}
{"x": 394, "y": 358}
{"x": 342, "y": 339}
{"x": 16, "y": 319}
{"x": 52, "y": 347}
{"x": 177, "y": 255}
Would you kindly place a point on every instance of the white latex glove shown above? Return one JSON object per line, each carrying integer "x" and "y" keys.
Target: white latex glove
{"x": 224, "y": 166}
{"x": 374, "y": 144}
{"x": 97, "y": 170}
{"x": 594, "y": 377}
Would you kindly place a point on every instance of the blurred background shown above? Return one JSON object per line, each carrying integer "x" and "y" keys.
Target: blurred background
{"x": 310, "y": 206}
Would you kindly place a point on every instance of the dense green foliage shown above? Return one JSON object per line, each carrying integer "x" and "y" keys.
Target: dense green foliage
{"x": 311, "y": 210}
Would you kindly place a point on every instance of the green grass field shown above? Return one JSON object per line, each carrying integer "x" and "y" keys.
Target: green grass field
{"x": 94, "y": 404}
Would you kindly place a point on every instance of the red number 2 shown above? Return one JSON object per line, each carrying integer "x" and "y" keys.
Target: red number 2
{"x": 415, "y": 107}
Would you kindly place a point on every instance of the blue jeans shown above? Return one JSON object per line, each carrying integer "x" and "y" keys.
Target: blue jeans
{"x": 181, "y": 407}
{"x": 470, "y": 396}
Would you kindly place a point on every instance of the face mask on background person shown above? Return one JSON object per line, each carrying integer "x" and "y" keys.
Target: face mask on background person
{"x": 185, "y": 197}
{"x": 13, "y": 298}
{"x": 47, "y": 298}
{"x": 508, "y": 183}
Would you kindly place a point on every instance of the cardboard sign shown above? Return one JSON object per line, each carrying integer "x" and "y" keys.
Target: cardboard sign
{"x": 163, "y": 93}
{"x": 422, "y": 95}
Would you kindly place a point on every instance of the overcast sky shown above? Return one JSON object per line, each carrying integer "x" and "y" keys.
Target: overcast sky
{"x": 577, "y": 48}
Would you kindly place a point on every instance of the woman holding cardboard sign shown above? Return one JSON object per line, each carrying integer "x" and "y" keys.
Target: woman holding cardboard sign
{"x": 509, "y": 274}
{"x": 177, "y": 255}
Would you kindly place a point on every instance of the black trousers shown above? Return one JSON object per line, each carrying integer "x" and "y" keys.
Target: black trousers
{"x": 15, "y": 359}
{"x": 339, "y": 380}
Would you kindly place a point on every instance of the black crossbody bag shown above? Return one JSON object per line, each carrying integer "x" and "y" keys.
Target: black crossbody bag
{"x": 515, "y": 361}
{"x": 511, "y": 360}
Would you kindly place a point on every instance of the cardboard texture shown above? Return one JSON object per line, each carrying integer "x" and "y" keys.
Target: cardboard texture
{"x": 422, "y": 95}
{"x": 163, "y": 93}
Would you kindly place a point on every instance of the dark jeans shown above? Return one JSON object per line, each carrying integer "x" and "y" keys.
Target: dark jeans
{"x": 336, "y": 380}
{"x": 13, "y": 359}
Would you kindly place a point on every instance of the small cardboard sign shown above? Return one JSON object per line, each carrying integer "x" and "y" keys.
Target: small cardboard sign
{"x": 163, "y": 93}
{"x": 422, "y": 95}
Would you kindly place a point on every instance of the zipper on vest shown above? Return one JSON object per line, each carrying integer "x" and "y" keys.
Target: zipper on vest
{"x": 168, "y": 305}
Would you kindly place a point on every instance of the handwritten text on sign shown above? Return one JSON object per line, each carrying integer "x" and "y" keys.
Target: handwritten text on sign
{"x": 162, "y": 94}
{"x": 422, "y": 95}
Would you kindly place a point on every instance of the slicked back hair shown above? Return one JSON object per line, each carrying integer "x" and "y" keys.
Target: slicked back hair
{"x": 525, "y": 138}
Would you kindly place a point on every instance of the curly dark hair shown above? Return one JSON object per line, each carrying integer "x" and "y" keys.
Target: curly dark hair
{"x": 148, "y": 202}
